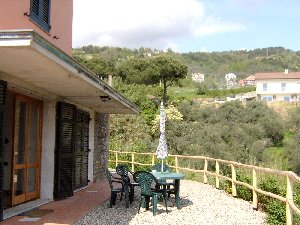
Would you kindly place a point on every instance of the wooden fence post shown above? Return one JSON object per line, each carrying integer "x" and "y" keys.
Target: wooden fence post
{"x": 132, "y": 161}
{"x": 254, "y": 185}
{"x": 176, "y": 164}
{"x": 289, "y": 198}
{"x": 116, "y": 158}
{"x": 205, "y": 170}
{"x": 218, "y": 173}
{"x": 233, "y": 177}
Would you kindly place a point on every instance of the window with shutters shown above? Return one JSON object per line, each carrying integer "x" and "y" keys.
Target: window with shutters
{"x": 40, "y": 13}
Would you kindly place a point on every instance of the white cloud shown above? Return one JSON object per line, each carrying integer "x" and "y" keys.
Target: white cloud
{"x": 212, "y": 25}
{"x": 135, "y": 23}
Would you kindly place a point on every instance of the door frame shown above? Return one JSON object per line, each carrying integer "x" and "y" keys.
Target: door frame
{"x": 27, "y": 196}
{"x": 3, "y": 89}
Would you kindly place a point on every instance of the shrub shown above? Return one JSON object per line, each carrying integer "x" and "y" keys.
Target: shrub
{"x": 191, "y": 176}
{"x": 269, "y": 184}
{"x": 226, "y": 186}
{"x": 276, "y": 213}
{"x": 243, "y": 192}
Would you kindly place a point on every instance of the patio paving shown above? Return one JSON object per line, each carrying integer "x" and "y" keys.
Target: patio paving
{"x": 68, "y": 210}
{"x": 201, "y": 204}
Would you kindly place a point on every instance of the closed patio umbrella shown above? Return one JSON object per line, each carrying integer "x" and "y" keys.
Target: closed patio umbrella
{"x": 162, "y": 148}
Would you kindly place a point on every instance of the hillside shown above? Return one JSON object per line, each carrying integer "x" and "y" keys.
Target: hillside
{"x": 283, "y": 108}
{"x": 214, "y": 64}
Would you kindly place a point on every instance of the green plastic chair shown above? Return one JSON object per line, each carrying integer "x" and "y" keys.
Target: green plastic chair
{"x": 114, "y": 189}
{"x": 123, "y": 171}
{"x": 146, "y": 181}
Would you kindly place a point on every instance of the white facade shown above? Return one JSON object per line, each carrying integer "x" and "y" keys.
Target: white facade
{"x": 230, "y": 79}
{"x": 281, "y": 87}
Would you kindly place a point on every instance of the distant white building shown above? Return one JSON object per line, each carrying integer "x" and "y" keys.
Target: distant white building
{"x": 278, "y": 86}
{"x": 230, "y": 79}
{"x": 198, "y": 77}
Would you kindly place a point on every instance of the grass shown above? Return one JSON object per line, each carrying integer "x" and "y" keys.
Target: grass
{"x": 190, "y": 92}
{"x": 273, "y": 158}
{"x": 180, "y": 93}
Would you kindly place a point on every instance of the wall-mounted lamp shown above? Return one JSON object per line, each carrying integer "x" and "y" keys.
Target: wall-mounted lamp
{"x": 26, "y": 14}
{"x": 105, "y": 98}
{"x": 55, "y": 37}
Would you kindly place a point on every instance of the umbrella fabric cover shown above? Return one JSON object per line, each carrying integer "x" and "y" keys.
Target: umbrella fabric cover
{"x": 162, "y": 148}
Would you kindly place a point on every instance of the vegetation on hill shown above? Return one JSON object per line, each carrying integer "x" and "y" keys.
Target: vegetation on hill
{"x": 231, "y": 131}
{"x": 215, "y": 64}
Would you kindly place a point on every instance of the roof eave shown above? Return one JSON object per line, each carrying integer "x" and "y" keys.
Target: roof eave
{"x": 26, "y": 37}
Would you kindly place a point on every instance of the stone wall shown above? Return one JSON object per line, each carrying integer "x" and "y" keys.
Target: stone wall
{"x": 101, "y": 145}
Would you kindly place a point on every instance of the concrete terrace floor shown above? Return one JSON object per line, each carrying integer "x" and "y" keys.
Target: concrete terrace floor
{"x": 68, "y": 210}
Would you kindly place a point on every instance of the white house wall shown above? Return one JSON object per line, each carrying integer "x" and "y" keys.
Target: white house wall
{"x": 48, "y": 146}
{"x": 274, "y": 87}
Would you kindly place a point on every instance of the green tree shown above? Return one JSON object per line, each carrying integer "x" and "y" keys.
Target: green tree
{"x": 146, "y": 97}
{"x": 202, "y": 88}
{"x": 292, "y": 149}
{"x": 100, "y": 66}
{"x": 170, "y": 71}
{"x": 138, "y": 71}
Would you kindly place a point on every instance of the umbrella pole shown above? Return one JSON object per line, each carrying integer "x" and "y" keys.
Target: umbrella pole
{"x": 162, "y": 165}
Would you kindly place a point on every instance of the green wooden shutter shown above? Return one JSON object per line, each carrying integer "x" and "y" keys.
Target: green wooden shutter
{"x": 85, "y": 148}
{"x": 40, "y": 13}
{"x": 35, "y": 7}
{"x": 64, "y": 150}
{"x": 46, "y": 11}
{"x": 3, "y": 86}
{"x": 81, "y": 149}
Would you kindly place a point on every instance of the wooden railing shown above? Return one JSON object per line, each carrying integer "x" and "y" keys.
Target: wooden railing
{"x": 290, "y": 177}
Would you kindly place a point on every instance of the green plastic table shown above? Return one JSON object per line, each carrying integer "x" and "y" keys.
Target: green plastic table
{"x": 171, "y": 176}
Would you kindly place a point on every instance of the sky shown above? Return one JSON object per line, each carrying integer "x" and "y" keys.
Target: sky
{"x": 187, "y": 25}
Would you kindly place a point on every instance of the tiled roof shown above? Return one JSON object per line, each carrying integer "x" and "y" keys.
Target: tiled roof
{"x": 251, "y": 77}
{"x": 277, "y": 75}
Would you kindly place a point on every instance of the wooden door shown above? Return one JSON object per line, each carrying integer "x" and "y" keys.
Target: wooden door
{"x": 27, "y": 149}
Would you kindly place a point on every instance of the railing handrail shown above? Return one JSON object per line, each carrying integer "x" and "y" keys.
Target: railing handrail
{"x": 291, "y": 177}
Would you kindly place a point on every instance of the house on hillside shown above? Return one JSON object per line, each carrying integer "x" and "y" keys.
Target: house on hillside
{"x": 53, "y": 111}
{"x": 278, "y": 86}
{"x": 249, "y": 81}
{"x": 230, "y": 80}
